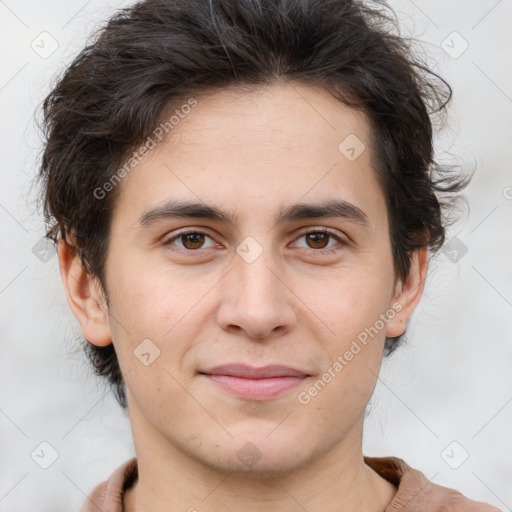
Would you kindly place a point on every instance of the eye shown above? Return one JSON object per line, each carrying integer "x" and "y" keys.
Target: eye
{"x": 191, "y": 240}
{"x": 317, "y": 239}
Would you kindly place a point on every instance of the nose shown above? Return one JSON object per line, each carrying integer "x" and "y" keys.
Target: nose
{"x": 256, "y": 301}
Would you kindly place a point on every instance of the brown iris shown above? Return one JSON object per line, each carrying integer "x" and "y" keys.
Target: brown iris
{"x": 195, "y": 238}
{"x": 318, "y": 238}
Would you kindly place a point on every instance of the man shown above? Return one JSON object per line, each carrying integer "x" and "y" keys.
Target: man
{"x": 242, "y": 196}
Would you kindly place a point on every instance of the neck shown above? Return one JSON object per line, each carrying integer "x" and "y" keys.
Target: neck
{"x": 336, "y": 481}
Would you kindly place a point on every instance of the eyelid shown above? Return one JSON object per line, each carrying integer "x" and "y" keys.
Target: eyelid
{"x": 319, "y": 229}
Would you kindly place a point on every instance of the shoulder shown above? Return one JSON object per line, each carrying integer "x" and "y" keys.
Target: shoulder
{"x": 108, "y": 495}
{"x": 459, "y": 503}
{"x": 415, "y": 492}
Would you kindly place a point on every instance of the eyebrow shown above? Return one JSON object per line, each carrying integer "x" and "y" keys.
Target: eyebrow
{"x": 300, "y": 211}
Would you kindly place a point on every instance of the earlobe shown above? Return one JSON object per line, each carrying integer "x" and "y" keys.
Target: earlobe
{"x": 408, "y": 292}
{"x": 85, "y": 296}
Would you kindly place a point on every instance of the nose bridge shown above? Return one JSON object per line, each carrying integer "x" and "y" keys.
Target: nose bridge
{"x": 259, "y": 285}
{"x": 257, "y": 300}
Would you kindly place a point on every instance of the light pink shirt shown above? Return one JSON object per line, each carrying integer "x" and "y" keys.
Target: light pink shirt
{"x": 415, "y": 492}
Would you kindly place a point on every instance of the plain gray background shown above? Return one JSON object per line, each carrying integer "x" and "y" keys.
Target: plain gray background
{"x": 443, "y": 402}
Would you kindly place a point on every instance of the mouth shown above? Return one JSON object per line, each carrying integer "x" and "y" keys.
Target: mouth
{"x": 252, "y": 383}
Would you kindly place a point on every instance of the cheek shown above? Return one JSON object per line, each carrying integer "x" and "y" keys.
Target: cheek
{"x": 151, "y": 333}
{"x": 149, "y": 299}
{"x": 152, "y": 302}
{"x": 353, "y": 309}
{"x": 348, "y": 300}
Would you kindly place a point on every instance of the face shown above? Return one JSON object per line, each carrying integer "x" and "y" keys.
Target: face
{"x": 267, "y": 284}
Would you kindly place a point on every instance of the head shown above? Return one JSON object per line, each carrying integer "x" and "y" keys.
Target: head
{"x": 248, "y": 107}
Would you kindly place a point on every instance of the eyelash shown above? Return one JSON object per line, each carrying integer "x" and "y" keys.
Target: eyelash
{"x": 323, "y": 231}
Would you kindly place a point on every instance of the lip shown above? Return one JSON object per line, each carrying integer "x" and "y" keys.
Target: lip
{"x": 252, "y": 383}
{"x": 250, "y": 372}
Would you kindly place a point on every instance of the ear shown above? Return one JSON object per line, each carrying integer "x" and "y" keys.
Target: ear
{"x": 85, "y": 296}
{"x": 408, "y": 293}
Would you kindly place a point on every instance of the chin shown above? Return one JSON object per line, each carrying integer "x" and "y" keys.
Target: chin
{"x": 256, "y": 453}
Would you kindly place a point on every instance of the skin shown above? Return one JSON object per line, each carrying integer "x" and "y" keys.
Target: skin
{"x": 249, "y": 153}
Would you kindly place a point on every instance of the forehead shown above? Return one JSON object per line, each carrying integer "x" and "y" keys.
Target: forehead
{"x": 290, "y": 116}
{"x": 259, "y": 149}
